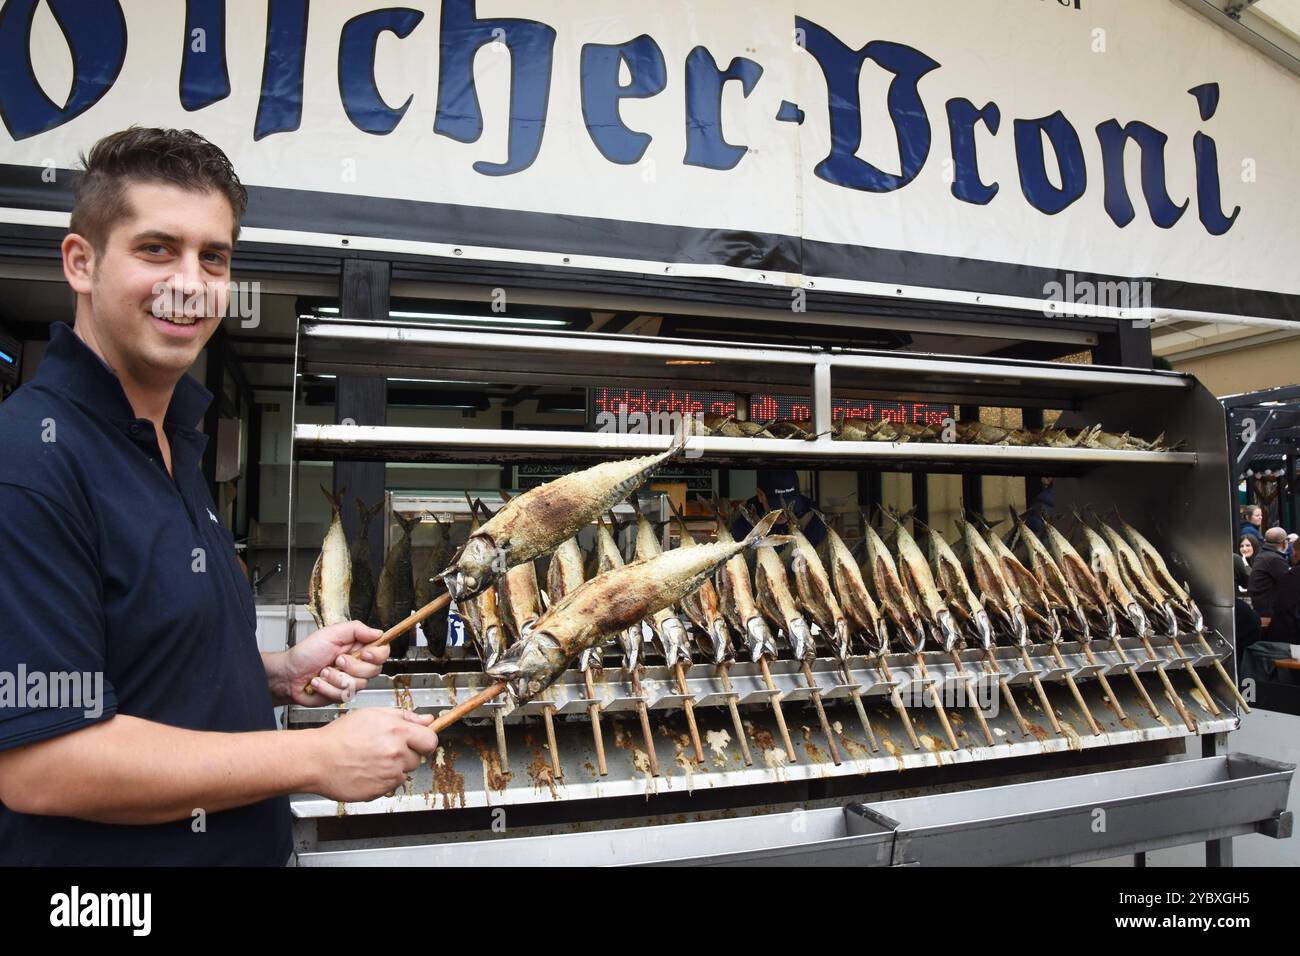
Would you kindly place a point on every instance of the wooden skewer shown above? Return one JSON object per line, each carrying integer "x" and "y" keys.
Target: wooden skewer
{"x": 856, "y": 694}
{"x": 1105, "y": 684}
{"x": 644, "y": 712}
{"x": 548, "y": 715}
{"x": 454, "y": 715}
{"x": 1137, "y": 681}
{"x": 776, "y": 709}
{"x": 991, "y": 666}
{"x": 499, "y": 723}
{"x": 894, "y": 696}
{"x": 593, "y": 711}
{"x": 689, "y": 706}
{"x": 1172, "y": 694}
{"x": 1223, "y": 674}
{"x": 821, "y": 714}
{"x": 938, "y": 704}
{"x": 1078, "y": 695}
{"x": 979, "y": 711}
{"x": 1196, "y": 679}
{"x": 433, "y": 607}
{"x": 735, "y": 714}
{"x": 1042, "y": 694}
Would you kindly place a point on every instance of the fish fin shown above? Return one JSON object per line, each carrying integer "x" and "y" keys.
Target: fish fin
{"x": 763, "y": 526}
{"x": 335, "y": 499}
{"x": 505, "y": 495}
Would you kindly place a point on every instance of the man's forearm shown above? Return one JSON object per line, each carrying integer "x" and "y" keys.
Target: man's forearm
{"x": 276, "y": 679}
{"x": 131, "y": 771}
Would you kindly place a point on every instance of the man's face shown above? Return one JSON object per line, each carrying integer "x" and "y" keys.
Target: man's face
{"x": 159, "y": 286}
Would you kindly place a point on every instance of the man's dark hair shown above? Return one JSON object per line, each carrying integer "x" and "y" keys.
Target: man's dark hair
{"x": 180, "y": 157}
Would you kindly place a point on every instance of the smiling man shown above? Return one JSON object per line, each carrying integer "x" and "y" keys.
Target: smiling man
{"x": 118, "y": 576}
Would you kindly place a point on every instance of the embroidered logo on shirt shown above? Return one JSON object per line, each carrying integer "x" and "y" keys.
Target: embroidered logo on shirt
{"x": 212, "y": 516}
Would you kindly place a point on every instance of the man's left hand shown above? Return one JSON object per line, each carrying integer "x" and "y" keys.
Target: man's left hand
{"x": 324, "y": 661}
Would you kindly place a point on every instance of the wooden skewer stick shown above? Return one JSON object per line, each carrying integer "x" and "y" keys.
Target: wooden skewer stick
{"x": 593, "y": 711}
{"x": 1223, "y": 674}
{"x": 1196, "y": 679}
{"x": 776, "y": 709}
{"x": 1078, "y": 694}
{"x": 548, "y": 715}
{"x": 499, "y": 723}
{"x": 990, "y": 664}
{"x": 433, "y": 607}
{"x": 821, "y": 714}
{"x": 1137, "y": 681}
{"x": 644, "y": 712}
{"x": 1105, "y": 684}
{"x": 454, "y": 715}
{"x": 938, "y": 704}
{"x": 735, "y": 714}
{"x": 1042, "y": 694}
{"x": 897, "y": 700}
{"x": 689, "y": 706}
{"x": 862, "y": 711}
{"x": 1172, "y": 694}
{"x": 979, "y": 711}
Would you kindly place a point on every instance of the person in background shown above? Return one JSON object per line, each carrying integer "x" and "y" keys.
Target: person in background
{"x": 1042, "y": 505}
{"x": 1266, "y": 573}
{"x": 1247, "y": 548}
{"x": 1252, "y": 521}
{"x": 1258, "y": 656}
{"x": 778, "y": 487}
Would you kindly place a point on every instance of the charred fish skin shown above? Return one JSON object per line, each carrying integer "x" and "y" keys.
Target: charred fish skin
{"x": 772, "y": 588}
{"x": 1091, "y": 595}
{"x": 361, "y": 593}
{"x": 854, "y": 596}
{"x": 329, "y": 593}
{"x": 669, "y": 633}
{"x": 892, "y": 596}
{"x": 610, "y": 603}
{"x": 990, "y": 578}
{"x": 1152, "y": 599}
{"x": 951, "y": 578}
{"x": 1103, "y": 561}
{"x": 920, "y": 583}
{"x": 1056, "y": 587}
{"x": 736, "y": 593}
{"x": 814, "y": 591}
{"x": 703, "y": 608}
{"x": 535, "y": 522}
{"x": 1178, "y": 595}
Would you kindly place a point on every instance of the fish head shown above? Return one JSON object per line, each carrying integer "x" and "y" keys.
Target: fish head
{"x": 1019, "y": 626}
{"x": 882, "y": 636}
{"x": 946, "y": 627}
{"x": 721, "y": 641}
{"x": 759, "y": 638}
{"x": 1194, "y": 616}
{"x": 479, "y": 563}
{"x": 630, "y": 642}
{"x": 801, "y": 639}
{"x": 983, "y": 628}
{"x": 1168, "y": 620}
{"x": 530, "y": 666}
{"x": 1053, "y": 626}
{"x": 1137, "y": 617}
{"x": 1077, "y": 622}
{"x": 840, "y": 643}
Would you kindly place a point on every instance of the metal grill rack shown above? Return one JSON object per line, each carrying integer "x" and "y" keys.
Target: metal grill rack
{"x": 500, "y": 755}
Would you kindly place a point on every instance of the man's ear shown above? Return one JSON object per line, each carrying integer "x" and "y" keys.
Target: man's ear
{"x": 78, "y": 262}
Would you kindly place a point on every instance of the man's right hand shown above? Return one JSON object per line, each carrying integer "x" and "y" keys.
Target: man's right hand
{"x": 369, "y": 752}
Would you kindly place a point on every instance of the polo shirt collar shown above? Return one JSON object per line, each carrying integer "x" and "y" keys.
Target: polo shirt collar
{"x": 72, "y": 367}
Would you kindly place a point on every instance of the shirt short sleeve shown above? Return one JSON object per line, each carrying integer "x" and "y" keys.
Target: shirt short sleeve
{"x": 52, "y": 629}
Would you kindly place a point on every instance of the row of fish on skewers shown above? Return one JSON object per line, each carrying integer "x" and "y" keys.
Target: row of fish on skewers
{"x": 343, "y": 585}
{"x": 967, "y": 433}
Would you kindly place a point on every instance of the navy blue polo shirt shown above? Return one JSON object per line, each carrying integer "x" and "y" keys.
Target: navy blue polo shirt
{"x": 110, "y": 567}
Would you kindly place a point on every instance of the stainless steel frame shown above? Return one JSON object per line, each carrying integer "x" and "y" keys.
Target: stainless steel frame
{"x": 1175, "y": 497}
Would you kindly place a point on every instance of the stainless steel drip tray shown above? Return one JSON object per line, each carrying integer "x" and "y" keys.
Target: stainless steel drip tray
{"x": 1086, "y": 817}
{"x": 1065, "y": 820}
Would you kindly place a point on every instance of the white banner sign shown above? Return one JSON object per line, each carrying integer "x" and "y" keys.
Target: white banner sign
{"x": 1005, "y": 150}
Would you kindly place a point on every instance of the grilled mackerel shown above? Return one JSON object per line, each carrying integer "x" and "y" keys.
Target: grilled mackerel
{"x": 535, "y": 522}
{"x": 609, "y": 603}
{"x": 736, "y": 594}
{"x": 329, "y": 593}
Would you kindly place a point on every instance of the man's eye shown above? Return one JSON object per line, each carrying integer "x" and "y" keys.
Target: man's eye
{"x": 155, "y": 249}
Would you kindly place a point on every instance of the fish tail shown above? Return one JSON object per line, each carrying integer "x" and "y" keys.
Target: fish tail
{"x": 760, "y": 535}
{"x": 335, "y": 499}
{"x": 408, "y": 523}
